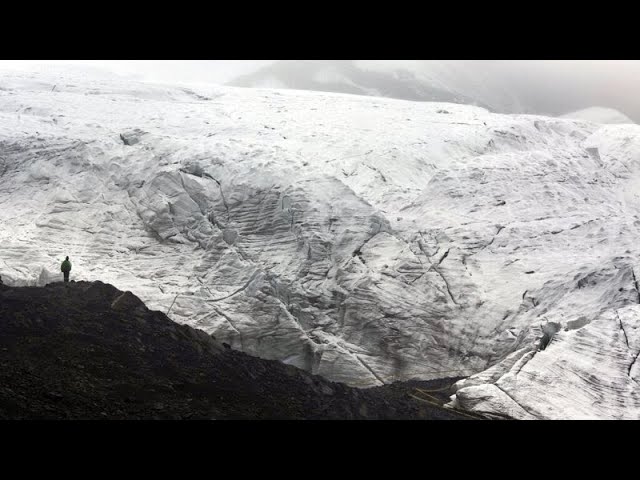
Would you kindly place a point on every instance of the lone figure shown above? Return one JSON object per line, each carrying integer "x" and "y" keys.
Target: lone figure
{"x": 66, "y": 268}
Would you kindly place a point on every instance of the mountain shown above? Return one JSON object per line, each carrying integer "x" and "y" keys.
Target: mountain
{"x": 347, "y": 76}
{"x": 366, "y": 240}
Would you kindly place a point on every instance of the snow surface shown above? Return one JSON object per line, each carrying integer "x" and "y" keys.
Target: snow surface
{"x": 365, "y": 239}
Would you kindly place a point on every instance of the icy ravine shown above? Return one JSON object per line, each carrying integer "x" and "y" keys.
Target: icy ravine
{"x": 366, "y": 240}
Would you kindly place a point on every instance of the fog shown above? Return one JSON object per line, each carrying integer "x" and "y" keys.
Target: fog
{"x": 158, "y": 71}
{"x": 549, "y": 87}
{"x": 558, "y": 86}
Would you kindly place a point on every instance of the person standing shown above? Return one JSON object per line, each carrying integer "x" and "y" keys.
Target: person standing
{"x": 66, "y": 268}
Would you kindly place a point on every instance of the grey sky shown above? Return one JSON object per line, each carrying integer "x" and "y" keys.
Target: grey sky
{"x": 163, "y": 71}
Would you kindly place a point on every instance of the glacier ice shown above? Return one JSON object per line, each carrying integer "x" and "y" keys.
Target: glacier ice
{"x": 367, "y": 240}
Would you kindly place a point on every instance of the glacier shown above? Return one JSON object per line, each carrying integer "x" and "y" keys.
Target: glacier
{"x": 367, "y": 240}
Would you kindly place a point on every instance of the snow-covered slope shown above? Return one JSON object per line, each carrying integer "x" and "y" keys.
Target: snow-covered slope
{"x": 599, "y": 115}
{"x": 364, "y": 239}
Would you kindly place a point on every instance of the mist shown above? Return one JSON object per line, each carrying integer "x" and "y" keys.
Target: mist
{"x": 156, "y": 71}
{"x": 558, "y": 86}
{"x": 546, "y": 87}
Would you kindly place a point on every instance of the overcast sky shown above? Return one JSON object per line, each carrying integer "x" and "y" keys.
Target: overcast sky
{"x": 214, "y": 71}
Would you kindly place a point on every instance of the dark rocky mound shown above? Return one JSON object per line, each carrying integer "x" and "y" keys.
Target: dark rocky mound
{"x": 86, "y": 350}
